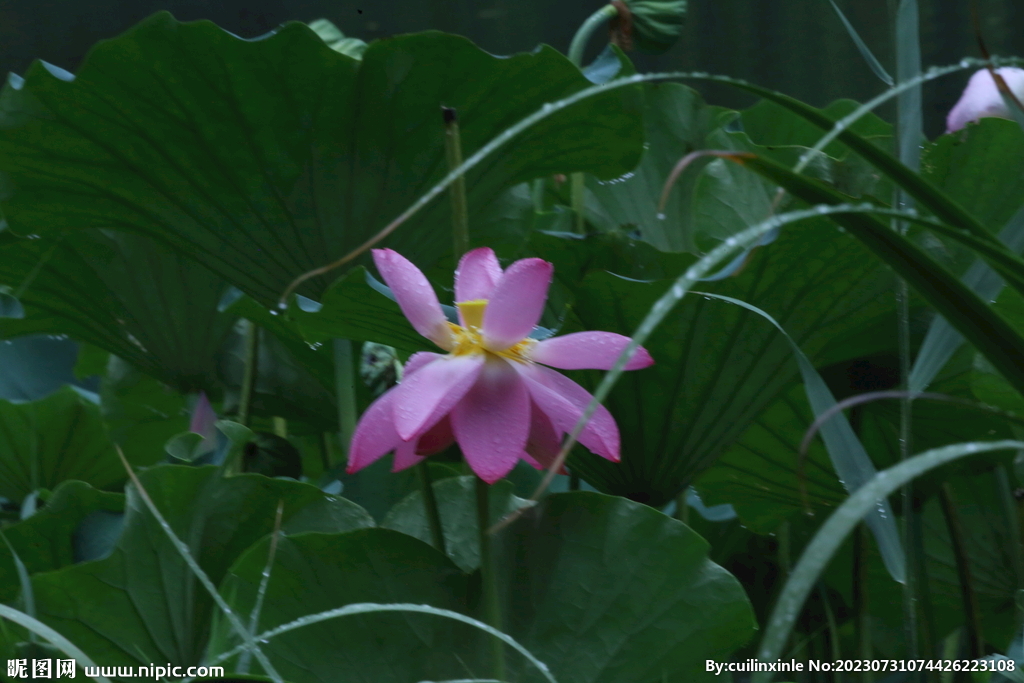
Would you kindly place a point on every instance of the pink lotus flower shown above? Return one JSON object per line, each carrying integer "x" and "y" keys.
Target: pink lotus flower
{"x": 492, "y": 392}
{"x": 981, "y": 98}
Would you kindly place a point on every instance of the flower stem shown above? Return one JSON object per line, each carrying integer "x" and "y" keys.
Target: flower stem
{"x": 430, "y": 504}
{"x": 492, "y": 608}
{"x": 683, "y": 507}
{"x": 968, "y": 596}
{"x": 537, "y": 194}
{"x": 577, "y": 186}
{"x": 453, "y": 155}
{"x": 252, "y": 352}
{"x": 345, "y": 391}
{"x": 576, "y": 48}
{"x": 586, "y": 30}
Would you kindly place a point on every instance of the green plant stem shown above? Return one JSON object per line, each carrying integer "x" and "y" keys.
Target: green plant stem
{"x": 281, "y": 427}
{"x": 325, "y": 451}
{"x": 908, "y": 140}
{"x": 975, "y": 642}
{"x": 577, "y": 188}
{"x": 928, "y": 629}
{"x": 833, "y": 630}
{"x": 1009, "y": 507}
{"x": 586, "y": 30}
{"x": 910, "y": 616}
{"x": 576, "y": 48}
{"x": 537, "y": 195}
{"x": 492, "y": 608}
{"x": 457, "y": 191}
{"x": 430, "y": 505}
{"x": 252, "y": 353}
{"x": 784, "y": 550}
{"x": 345, "y": 391}
{"x": 682, "y": 507}
{"x": 860, "y": 597}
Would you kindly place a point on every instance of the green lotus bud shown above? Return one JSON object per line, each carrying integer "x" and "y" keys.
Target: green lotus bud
{"x": 651, "y": 26}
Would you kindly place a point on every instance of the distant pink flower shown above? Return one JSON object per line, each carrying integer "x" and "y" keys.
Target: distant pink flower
{"x": 203, "y": 422}
{"x": 981, "y": 97}
{"x": 491, "y": 393}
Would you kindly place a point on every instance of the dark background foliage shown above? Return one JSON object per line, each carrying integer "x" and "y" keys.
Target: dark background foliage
{"x": 796, "y": 46}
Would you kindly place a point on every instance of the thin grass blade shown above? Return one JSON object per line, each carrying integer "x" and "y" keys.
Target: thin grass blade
{"x": 369, "y": 607}
{"x": 865, "y": 51}
{"x": 49, "y": 635}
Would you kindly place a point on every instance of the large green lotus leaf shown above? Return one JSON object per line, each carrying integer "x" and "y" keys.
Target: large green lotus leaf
{"x": 963, "y": 165}
{"x": 312, "y": 356}
{"x": 263, "y": 159}
{"x": 987, "y": 384}
{"x": 717, "y": 366}
{"x": 770, "y": 124}
{"x": 125, "y": 294}
{"x": 676, "y": 122}
{"x": 583, "y": 584}
{"x": 353, "y": 309}
{"x": 54, "y": 439}
{"x": 35, "y": 366}
{"x": 981, "y": 506}
{"x": 759, "y": 474}
{"x": 317, "y": 572}
{"x": 456, "y": 505}
{"x": 585, "y": 590}
{"x": 142, "y": 604}
{"x": 47, "y": 540}
{"x": 723, "y": 199}
{"x": 141, "y": 412}
{"x": 286, "y": 386}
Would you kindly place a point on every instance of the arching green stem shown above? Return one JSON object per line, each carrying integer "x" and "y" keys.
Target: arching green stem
{"x": 586, "y": 30}
{"x": 576, "y": 48}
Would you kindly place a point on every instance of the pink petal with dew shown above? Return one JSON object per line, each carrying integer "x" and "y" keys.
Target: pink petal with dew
{"x": 477, "y": 274}
{"x": 515, "y": 307}
{"x": 544, "y": 441}
{"x": 405, "y": 457}
{"x": 415, "y": 296}
{"x": 432, "y": 391}
{"x": 204, "y": 419}
{"x": 492, "y": 421}
{"x": 588, "y": 351}
{"x": 418, "y": 360}
{"x": 437, "y": 438}
{"x": 981, "y": 97}
{"x": 375, "y": 434}
{"x": 563, "y": 401}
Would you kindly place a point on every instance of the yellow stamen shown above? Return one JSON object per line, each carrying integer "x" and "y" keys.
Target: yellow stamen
{"x": 469, "y": 339}
{"x": 473, "y": 312}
